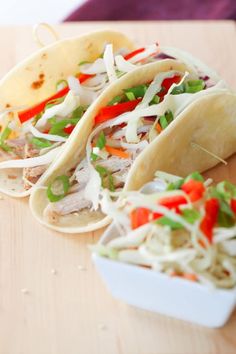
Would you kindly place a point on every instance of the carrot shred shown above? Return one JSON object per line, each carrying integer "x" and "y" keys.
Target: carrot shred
{"x": 188, "y": 276}
{"x": 117, "y": 152}
{"x": 202, "y": 243}
{"x": 158, "y": 128}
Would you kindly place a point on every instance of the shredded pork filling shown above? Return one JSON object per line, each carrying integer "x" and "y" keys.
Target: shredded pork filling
{"x": 75, "y": 201}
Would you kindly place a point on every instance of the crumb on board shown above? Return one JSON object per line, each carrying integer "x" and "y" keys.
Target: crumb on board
{"x": 25, "y": 291}
{"x": 81, "y": 267}
{"x": 53, "y": 271}
{"x": 102, "y": 326}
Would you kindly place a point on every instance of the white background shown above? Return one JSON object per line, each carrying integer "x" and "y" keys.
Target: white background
{"x": 33, "y": 11}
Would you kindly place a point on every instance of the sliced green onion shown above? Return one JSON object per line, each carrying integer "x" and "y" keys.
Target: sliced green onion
{"x": 111, "y": 185}
{"x": 4, "y": 136}
{"x": 163, "y": 122}
{"x": 78, "y": 112}
{"x": 119, "y": 73}
{"x": 194, "y": 86}
{"x": 61, "y": 84}
{"x": 41, "y": 143}
{"x": 196, "y": 176}
{"x": 137, "y": 91}
{"x": 130, "y": 96}
{"x": 155, "y": 100}
{"x": 116, "y": 99}
{"x": 166, "y": 119}
{"x": 191, "y": 86}
{"x": 93, "y": 156}
{"x": 101, "y": 170}
{"x": 225, "y": 208}
{"x": 57, "y": 127}
{"x": 165, "y": 221}
{"x": 58, "y": 188}
{"x": 178, "y": 89}
{"x": 169, "y": 116}
{"x": 104, "y": 173}
{"x": 175, "y": 185}
{"x": 225, "y": 220}
{"x": 84, "y": 62}
{"x": 101, "y": 142}
{"x": 226, "y": 189}
{"x": 190, "y": 215}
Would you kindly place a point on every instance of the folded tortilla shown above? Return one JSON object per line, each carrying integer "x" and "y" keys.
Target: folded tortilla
{"x": 194, "y": 121}
{"x": 34, "y": 80}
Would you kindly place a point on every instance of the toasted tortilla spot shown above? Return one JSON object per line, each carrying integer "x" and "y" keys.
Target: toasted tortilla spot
{"x": 37, "y": 84}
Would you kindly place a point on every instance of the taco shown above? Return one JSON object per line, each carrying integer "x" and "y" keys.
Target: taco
{"x": 55, "y": 98}
{"x": 41, "y": 106}
{"x": 118, "y": 133}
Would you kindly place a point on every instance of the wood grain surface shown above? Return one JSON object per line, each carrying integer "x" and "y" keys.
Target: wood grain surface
{"x": 52, "y": 301}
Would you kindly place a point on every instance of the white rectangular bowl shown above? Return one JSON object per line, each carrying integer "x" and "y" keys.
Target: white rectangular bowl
{"x": 160, "y": 293}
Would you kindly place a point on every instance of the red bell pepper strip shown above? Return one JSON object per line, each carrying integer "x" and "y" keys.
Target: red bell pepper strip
{"x": 233, "y": 205}
{"x": 211, "y": 214}
{"x": 132, "y": 54}
{"x": 139, "y": 217}
{"x": 167, "y": 83}
{"x": 194, "y": 189}
{"x": 110, "y": 112}
{"x": 68, "y": 130}
{"x": 38, "y": 108}
{"x": 173, "y": 202}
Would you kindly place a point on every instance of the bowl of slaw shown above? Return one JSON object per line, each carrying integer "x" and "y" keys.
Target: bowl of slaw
{"x": 171, "y": 248}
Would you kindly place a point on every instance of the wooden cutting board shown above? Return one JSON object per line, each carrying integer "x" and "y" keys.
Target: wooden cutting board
{"x": 52, "y": 301}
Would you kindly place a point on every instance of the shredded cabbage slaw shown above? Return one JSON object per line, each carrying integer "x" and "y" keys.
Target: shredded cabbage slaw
{"x": 194, "y": 240}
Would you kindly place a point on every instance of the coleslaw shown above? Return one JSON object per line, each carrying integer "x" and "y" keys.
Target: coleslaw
{"x": 184, "y": 227}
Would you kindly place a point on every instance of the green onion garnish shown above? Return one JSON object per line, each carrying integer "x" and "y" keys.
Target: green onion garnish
{"x": 116, "y": 99}
{"x": 57, "y": 127}
{"x": 163, "y": 122}
{"x": 58, "y": 188}
{"x": 196, "y": 176}
{"x": 101, "y": 142}
{"x": 41, "y": 143}
{"x": 194, "y": 86}
{"x": 84, "y": 62}
{"x": 4, "y": 136}
{"x": 137, "y": 91}
{"x": 106, "y": 177}
{"x": 130, "y": 96}
{"x": 165, "y": 221}
{"x": 61, "y": 84}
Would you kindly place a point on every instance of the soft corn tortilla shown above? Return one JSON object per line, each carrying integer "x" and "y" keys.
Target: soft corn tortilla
{"x": 34, "y": 80}
{"x": 143, "y": 168}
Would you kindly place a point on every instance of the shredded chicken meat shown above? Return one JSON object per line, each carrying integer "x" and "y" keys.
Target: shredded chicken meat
{"x": 31, "y": 174}
{"x": 71, "y": 203}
